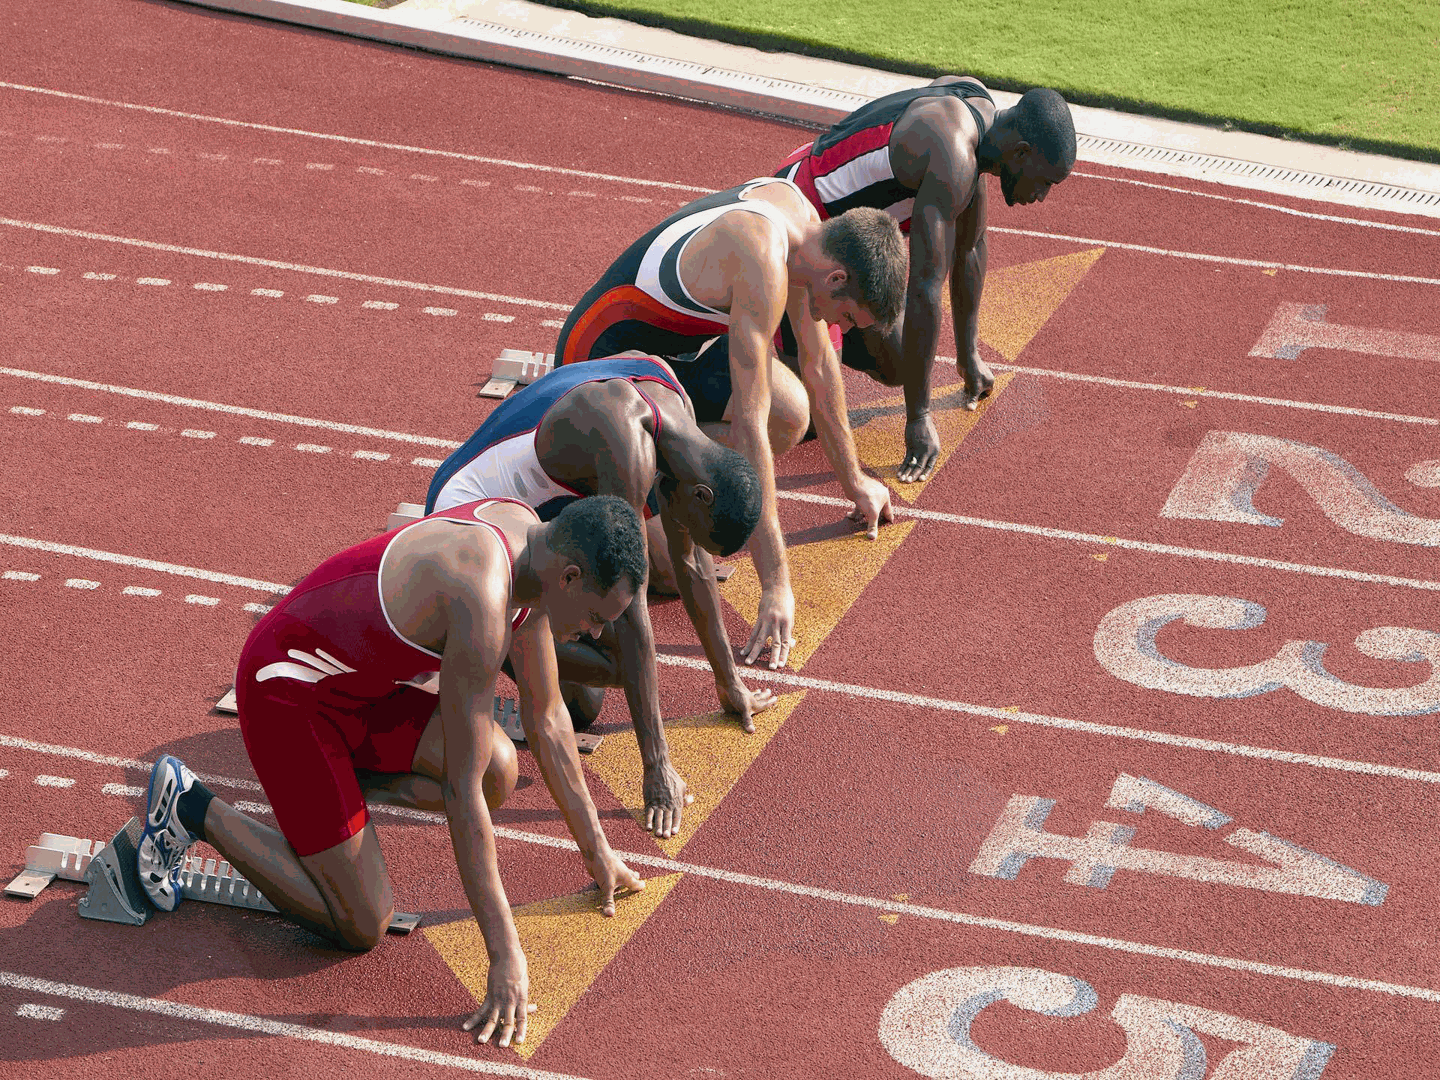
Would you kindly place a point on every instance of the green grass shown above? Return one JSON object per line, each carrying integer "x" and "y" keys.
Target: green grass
{"x": 1358, "y": 73}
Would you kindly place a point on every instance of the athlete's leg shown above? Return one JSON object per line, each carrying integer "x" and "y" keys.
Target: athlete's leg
{"x": 420, "y": 787}
{"x": 789, "y": 411}
{"x": 662, "y": 570}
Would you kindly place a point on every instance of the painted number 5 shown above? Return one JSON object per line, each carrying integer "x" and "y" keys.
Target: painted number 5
{"x": 926, "y": 1027}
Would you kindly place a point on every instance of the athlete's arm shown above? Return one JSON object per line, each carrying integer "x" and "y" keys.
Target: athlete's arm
{"x": 820, "y": 371}
{"x": 695, "y": 575}
{"x": 967, "y": 280}
{"x": 550, "y": 735}
{"x": 474, "y": 644}
{"x": 759, "y": 282}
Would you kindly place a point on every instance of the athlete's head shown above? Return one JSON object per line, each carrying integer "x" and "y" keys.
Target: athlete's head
{"x": 721, "y": 504}
{"x": 868, "y": 285}
{"x": 1037, "y": 148}
{"x": 599, "y": 565}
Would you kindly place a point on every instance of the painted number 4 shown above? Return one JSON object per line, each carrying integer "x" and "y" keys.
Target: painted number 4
{"x": 1020, "y": 836}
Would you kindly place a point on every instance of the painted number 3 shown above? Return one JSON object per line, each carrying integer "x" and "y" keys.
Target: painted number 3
{"x": 926, "y": 1027}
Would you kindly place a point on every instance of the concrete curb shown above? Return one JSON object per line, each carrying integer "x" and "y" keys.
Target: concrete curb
{"x": 818, "y": 92}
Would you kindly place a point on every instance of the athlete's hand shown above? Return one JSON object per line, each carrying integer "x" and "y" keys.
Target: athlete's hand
{"x": 979, "y": 379}
{"x": 774, "y": 623}
{"x": 665, "y": 798}
{"x": 611, "y": 876}
{"x": 506, "y": 1007}
{"x": 872, "y": 506}
{"x": 922, "y": 447}
{"x": 743, "y": 703}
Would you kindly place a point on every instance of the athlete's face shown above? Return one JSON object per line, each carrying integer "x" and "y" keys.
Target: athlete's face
{"x": 688, "y": 505}
{"x": 1026, "y": 177}
{"x": 830, "y": 304}
{"x": 577, "y": 610}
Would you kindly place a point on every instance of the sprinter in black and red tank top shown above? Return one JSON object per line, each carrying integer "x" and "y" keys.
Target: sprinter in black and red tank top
{"x": 918, "y": 155}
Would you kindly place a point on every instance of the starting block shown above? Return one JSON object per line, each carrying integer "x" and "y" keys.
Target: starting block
{"x": 516, "y": 367}
{"x": 507, "y": 715}
{"x": 404, "y": 514}
{"x": 115, "y": 894}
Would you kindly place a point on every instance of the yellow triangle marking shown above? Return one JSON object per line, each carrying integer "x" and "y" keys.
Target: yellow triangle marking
{"x": 901, "y": 896}
{"x": 1101, "y": 556}
{"x": 1190, "y": 404}
{"x": 828, "y": 576}
{"x": 1019, "y": 300}
{"x": 891, "y": 919}
{"x": 1011, "y": 708}
{"x": 1000, "y": 729}
{"x": 709, "y": 751}
{"x": 1269, "y": 273}
{"x": 567, "y": 944}
{"x": 879, "y": 430}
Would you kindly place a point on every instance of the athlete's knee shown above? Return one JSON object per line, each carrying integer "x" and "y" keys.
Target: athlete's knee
{"x": 789, "y": 410}
{"x": 502, "y": 772}
{"x": 363, "y": 928}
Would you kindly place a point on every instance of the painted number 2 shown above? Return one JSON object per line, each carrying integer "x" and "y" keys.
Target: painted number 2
{"x": 926, "y": 1027}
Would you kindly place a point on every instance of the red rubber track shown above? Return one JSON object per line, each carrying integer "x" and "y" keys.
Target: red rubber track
{"x": 979, "y": 611}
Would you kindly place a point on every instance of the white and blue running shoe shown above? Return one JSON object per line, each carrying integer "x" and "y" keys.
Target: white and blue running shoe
{"x": 165, "y": 841}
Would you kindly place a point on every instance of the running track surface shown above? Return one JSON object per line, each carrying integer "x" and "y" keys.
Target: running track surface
{"x": 1118, "y": 746}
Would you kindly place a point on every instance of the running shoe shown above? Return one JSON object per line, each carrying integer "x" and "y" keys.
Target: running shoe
{"x": 165, "y": 841}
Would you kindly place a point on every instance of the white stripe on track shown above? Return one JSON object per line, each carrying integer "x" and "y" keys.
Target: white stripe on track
{"x": 14, "y": 742}
{"x": 1130, "y": 545}
{"x": 982, "y": 922}
{"x": 278, "y": 264}
{"x": 260, "y": 1025}
{"x": 233, "y": 410}
{"x": 1203, "y": 392}
{"x": 352, "y": 141}
{"x": 142, "y": 564}
{"x": 1228, "y": 260}
{"x": 1292, "y": 211}
{"x": 1112, "y": 731}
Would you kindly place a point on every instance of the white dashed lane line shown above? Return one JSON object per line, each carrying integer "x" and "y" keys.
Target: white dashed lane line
{"x": 216, "y": 287}
{"x": 144, "y": 592}
{"x": 202, "y": 435}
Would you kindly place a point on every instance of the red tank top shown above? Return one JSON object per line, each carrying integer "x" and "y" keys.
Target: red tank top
{"x": 333, "y": 629}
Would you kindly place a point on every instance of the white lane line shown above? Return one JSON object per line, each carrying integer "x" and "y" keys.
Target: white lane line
{"x": 20, "y": 575}
{"x": 475, "y": 183}
{"x": 94, "y": 758}
{"x": 312, "y": 448}
{"x": 553, "y": 324}
{"x": 25, "y": 410}
{"x": 274, "y": 264}
{"x": 91, "y": 275}
{"x": 442, "y": 311}
{"x": 139, "y": 590}
{"x": 43, "y": 270}
{"x": 203, "y": 601}
{"x": 316, "y": 298}
{"x": 234, "y": 410}
{"x": 55, "y": 781}
{"x": 141, "y": 425}
{"x": 1228, "y": 260}
{"x": 1204, "y": 392}
{"x": 255, "y": 440}
{"x": 141, "y": 564}
{"x": 368, "y": 170}
{"x": 491, "y": 316}
{"x": 1133, "y": 545}
{"x": 427, "y": 462}
{"x": 84, "y": 418}
{"x": 272, "y": 293}
{"x": 422, "y": 176}
{"x": 267, "y": 161}
{"x": 195, "y": 433}
{"x": 380, "y": 305}
{"x": 39, "y": 1012}
{"x": 1112, "y": 731}
{"x": 175, "y": 1010}
{"x": 152, "y": 281}
{"x": 351, "y": 141}
{"x": 370, "y": 455}
{"x": 259, "y": 609}
{"x": 1389, "y": 226}
{"x": 318, "y": 165}
{"x": 833, "y": 895}
{"x": 209, "y": 286}
{"x": 84, "y": 584}
{"x": 129, "y": 791}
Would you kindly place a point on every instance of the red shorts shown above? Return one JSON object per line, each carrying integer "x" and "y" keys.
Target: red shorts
{"x": 306, "y": 742}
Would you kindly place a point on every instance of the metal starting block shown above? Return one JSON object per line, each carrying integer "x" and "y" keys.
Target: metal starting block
{"x": 516, "y": 368}
{"x": 507, "y": 715}
{"x": 404, "y": 514}
{"x": 115, "y": 893}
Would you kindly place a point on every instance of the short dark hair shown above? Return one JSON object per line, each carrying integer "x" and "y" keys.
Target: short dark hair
{"x": 602, "y": 536}
{"x": 737, "y": 505}
{"x": 867, "y": 243}
{"x": 1043, "y": 120}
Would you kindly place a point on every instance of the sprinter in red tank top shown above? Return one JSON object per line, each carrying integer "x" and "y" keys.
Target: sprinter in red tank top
{"x": 919, "y": 155}
{"x": 375, "y": 676}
